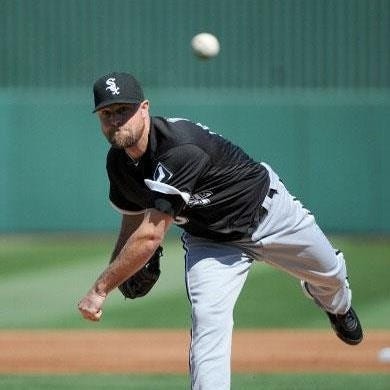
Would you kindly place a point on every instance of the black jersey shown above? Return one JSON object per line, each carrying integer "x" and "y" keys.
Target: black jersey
{"x": 210, "y": 186}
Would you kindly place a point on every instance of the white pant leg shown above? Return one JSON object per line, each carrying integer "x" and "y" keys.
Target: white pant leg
{"x": 289, "y": 238}
{"x": 215, "y": 275}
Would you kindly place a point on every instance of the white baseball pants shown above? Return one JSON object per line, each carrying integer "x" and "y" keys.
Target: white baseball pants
{"x": 288, "y": 238}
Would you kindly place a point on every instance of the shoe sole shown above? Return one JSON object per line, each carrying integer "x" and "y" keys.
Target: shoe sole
{"x": 338, "y": 334}
{"x": 345, "y": 340}
{"x": 341, "y": 336}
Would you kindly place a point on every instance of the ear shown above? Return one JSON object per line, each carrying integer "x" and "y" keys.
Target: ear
{"x": 145, "y": 108}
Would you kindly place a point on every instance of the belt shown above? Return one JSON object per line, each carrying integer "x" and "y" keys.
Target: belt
{"x": 271, "y": 193}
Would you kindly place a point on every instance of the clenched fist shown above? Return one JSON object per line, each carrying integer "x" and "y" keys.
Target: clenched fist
{"x": 91, "y": 305}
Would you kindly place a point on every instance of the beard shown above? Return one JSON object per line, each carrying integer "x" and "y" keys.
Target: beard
{"x": 122, "y": 139}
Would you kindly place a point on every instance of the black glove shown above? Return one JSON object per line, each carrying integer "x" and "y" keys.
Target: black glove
{"x": 142, "y": 282}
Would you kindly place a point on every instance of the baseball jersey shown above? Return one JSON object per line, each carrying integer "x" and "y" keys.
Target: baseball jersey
{"x": 210, "y": 186}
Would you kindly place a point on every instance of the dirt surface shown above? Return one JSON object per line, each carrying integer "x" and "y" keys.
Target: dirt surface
{"x": 155, "y": 351}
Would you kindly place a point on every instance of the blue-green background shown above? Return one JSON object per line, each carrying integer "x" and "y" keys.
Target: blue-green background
{"x": 301, "y": 84}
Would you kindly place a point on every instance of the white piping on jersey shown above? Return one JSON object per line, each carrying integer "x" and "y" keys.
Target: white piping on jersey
{"x": 174, "y": 120}
{"x": 126, "y": 212}
{"x": 177, "y": 221}
{"x": 166, "y": 189}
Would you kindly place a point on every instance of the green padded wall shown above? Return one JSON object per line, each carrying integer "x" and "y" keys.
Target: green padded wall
{"x": 265, "y": 43}
{"x": 302, "y": 84}
{"x": 332, "y": 152}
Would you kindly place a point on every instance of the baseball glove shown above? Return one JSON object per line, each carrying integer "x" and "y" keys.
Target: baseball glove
{"x": 142, "y": 282}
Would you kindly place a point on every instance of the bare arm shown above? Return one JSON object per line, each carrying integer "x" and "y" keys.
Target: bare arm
{"x": 136, "y": 243}
{"x": 129, "y": 224}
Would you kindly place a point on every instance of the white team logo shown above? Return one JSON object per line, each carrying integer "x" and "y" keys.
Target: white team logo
{"x": 162, "y": 174}
{"x": 112, "y": 86}
{"x": 200, "y": 199}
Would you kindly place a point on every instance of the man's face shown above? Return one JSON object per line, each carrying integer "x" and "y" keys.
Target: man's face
{"x": 123, "y": 124}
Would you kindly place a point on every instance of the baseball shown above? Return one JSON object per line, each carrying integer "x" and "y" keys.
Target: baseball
{"x": 205, "y": 45}
{"x": 384, "y": 355}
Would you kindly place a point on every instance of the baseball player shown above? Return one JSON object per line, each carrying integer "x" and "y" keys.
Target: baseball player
{"x": 233, "y": 211}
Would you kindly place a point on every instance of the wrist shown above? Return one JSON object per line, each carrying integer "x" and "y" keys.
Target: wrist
{"x": 99, "y": 290}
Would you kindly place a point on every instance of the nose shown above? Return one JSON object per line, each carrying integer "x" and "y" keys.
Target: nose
{"x": 116, "y": 119}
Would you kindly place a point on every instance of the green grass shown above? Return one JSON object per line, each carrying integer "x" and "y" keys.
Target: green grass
{"x": 180, "y": 382}
{"x": 43, "y": 277}
{"x": 268, "y": 294}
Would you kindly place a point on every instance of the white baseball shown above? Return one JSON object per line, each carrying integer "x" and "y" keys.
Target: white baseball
{"x": 384, "y": 355}
{"x": 205, "y": 45}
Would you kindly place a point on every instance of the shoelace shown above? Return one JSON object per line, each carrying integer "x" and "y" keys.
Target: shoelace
{"x": 348, "y": 320}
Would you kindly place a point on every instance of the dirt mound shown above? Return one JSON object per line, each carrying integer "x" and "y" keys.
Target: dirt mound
{"x": 163, "y": 351}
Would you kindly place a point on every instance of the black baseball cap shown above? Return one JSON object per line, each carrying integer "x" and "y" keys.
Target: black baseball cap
{"x": 116, "y": 88}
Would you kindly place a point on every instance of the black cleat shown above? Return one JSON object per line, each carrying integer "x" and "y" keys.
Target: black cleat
{"x": 347, "y": 326}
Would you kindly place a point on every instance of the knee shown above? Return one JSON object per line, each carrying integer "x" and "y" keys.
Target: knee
{"x": 340, "y": 272}
{"x": 332, "y": 278}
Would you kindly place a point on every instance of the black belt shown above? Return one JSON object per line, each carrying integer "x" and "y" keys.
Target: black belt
{"x": 271, "y": 192}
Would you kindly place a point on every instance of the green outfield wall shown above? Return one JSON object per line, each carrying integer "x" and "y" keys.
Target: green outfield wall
{"x": 302, "y": 84}
{"x": 331, "y": 149}
{"x": 264, "y": 43}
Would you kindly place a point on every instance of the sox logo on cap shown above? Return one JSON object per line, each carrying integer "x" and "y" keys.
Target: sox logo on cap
{"x": 112, "y": 86}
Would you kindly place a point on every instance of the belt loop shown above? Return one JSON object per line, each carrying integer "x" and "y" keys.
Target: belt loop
{"x": 268, "y": 199}
{"x": 272, "y": 192}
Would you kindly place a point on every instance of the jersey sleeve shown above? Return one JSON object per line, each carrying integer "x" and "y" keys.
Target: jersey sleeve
{"x": 121, "y": 204}
{"x": 175, "y": 177}
{"x": 127, "y": 193}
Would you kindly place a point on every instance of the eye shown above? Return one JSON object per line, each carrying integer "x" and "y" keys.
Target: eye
{"x": 104, "y": 113}
{"x": 122, "y": 110}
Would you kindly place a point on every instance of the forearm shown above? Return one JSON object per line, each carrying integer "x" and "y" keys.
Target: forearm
{"x": 136, "y": 244}
{"x": 128, "y": 227}
{"x": 125, "y": 262}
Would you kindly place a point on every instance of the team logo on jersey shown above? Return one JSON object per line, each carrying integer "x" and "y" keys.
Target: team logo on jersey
{"x": 200, "y": 199}
{"x": 112, "y": 86}
{"x": 162, "y": 174}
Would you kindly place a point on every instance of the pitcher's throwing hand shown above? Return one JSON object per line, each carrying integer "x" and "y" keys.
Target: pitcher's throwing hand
{"x": 90, "y": 306}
